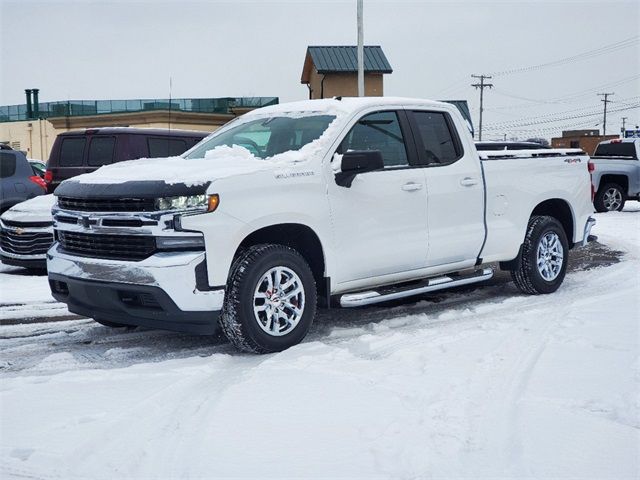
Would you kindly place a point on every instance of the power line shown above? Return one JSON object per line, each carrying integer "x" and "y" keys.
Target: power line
{"x": 554, "y": 120}
{"x": 481, "y": 86}
{"x": 612, "y": 47}
{"x": 605, "y": 100}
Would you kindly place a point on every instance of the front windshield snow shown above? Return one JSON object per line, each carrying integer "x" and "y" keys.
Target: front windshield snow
{"x": 266, "y": 137}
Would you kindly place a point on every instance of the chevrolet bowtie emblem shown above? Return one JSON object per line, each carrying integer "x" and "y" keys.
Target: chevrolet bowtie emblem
{"x": 19, "y": 231}
{"x": 84, "y": 221}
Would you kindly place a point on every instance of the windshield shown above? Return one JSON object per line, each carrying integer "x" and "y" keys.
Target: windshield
{"x": 266, "y": 137}
{"x": 621, "y": 149}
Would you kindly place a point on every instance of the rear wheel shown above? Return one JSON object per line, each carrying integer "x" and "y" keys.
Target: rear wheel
{"x": 543, "y": 259}
{"x": 270, "y": 301}
{"x": 610, "y": 198}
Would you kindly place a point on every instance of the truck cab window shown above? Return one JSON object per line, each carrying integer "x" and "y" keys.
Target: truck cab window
{"x": 378, "y": 131}
{"x": 438, "y": 143}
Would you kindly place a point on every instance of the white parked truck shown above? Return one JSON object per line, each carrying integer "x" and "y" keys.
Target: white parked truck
{"x": 348, "y": 202}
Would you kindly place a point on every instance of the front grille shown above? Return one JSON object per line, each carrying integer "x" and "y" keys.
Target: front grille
{"x": 107, "y": 204}
{"x": 25, "y": 243}
{"x": 117, "y": 247}
{"x": 13, "y": 223}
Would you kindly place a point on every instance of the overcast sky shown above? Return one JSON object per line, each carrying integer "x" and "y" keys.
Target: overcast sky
{"x": 125, "y": 49}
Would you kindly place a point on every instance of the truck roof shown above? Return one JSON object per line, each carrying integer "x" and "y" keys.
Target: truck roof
{"x": 332, "y": 106}
{"x": 620, "y": 140}
{"x": 137, "y": 131}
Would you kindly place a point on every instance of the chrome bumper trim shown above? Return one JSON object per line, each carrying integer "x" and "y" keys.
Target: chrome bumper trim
{"x": 173, "y": 272}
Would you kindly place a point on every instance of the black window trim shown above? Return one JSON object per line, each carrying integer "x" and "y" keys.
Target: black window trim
{"x": 453, "y": 131}
{"x": 409, "y": 143}
{"x": 113, "y": 152}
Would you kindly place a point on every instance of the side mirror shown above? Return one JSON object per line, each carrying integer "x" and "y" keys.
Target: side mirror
{"x": 355, "y": 162}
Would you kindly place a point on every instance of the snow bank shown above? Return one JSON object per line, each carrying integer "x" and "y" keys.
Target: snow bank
{"x": 491, "y": 384}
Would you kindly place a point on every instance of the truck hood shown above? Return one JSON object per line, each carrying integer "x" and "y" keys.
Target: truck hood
{"x": 37, "y": 209}
{"x": 171, "y": 176}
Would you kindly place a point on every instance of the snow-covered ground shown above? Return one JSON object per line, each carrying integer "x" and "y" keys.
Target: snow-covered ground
{"x": 481, "y": 382}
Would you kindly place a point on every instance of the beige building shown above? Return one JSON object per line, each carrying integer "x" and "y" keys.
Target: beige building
{"x": 36, "y": 135}
{"x": 333, "y": 71}
{"x": 587, "y": 140}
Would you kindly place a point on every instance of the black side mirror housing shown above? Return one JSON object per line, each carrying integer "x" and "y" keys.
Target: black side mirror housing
{"x": 355, "y": 162}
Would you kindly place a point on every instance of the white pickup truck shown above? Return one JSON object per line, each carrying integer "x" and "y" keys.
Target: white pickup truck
{"x": 345, "y": 201}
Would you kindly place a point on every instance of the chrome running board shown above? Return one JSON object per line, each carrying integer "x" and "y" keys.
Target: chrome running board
{"x": 385, "y": 294}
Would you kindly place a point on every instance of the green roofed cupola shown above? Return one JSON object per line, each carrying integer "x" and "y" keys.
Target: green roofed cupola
{"x": 332, "y": 71}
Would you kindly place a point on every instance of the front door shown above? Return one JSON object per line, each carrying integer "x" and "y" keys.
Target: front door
{"x": 380, "y": 222}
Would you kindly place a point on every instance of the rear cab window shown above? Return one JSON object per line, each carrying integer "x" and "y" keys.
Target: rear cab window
{"x": 101, "y": 150}
{"x": 7, "y": 165}
{"x": 72, "y": 151}
{"x": 437, "y": 140}
{"x": 626, "y": 150}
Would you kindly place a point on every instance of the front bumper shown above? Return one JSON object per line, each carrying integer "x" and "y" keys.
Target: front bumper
{"x": 158, "y": 292}
{"x": 24, "y": 245}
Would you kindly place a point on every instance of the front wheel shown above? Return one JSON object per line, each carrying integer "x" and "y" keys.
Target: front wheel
{"x": 543, "y": 258}
{"x": 610, "y": 198}
{"x": 270, "y": 301}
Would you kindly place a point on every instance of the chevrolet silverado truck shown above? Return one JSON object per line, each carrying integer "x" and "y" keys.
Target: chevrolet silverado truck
{"x": 337, "y": 202}
{"x": 615, "y": 172}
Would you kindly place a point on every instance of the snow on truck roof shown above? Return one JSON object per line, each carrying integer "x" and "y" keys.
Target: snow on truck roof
{"x": 345, "y": 105}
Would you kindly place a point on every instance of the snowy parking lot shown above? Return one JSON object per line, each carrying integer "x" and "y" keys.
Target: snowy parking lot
{"x": 480, "y": 382}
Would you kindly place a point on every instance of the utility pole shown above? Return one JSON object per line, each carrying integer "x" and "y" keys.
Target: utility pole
{"x": 360, "y": 51}
{"x": 605, "y": 100}
{"x": 624, "y": 126}
{"x": 481, "y": 86}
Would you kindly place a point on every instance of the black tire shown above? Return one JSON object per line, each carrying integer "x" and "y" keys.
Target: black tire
{"x": 527, "y": 275}
{"x": 109, "y": 324}
{"x": 602, "y": 201}
{"x": 238, "y": 320}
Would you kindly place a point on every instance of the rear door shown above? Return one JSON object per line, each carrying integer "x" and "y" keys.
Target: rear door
{"x": 455, "y": 192}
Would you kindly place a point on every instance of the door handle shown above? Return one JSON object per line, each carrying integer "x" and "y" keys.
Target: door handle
{"x": 468, "y": 182}
{"x": 411, "y": 187}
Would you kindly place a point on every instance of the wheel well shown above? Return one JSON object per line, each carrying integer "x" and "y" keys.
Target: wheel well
{"x": 621, "y": 180}
{"x": 299, "y": 237}
{"x": 560, "y": 210}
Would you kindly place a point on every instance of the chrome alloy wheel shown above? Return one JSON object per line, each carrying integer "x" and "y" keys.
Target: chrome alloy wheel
{"x": 612, "y": 199}
{"x": 278, "y": 301}
{"x": 550, "y": 256}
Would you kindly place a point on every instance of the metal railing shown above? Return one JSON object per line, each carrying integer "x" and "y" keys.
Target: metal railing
{"x": 74, "y": 108}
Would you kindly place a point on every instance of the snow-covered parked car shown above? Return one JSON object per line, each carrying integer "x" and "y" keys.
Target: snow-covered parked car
{"x": 26, "y": 233}
{"x": 349, "y": 201}
{"x": 616, "y": 173}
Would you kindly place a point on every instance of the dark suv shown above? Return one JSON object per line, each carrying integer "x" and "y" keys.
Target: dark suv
{"x": 78, "y": 152}
{"x": 18, "y": 180}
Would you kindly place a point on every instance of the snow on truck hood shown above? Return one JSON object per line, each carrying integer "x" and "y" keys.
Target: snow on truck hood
{"x": 37, "y": 209}
{"x": 218, "y": 163}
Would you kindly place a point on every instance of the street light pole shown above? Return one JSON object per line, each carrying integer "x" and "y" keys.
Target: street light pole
{"x": 360, "y": 51}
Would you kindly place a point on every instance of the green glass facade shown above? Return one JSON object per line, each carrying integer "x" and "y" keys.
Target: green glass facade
{"x": 72, "y": 108}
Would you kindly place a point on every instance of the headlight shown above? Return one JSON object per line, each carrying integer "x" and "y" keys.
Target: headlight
{"x": 206, "y": 203}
